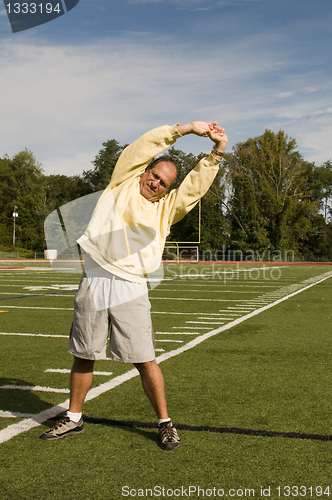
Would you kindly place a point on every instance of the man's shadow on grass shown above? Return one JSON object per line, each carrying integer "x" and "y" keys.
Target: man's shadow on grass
{"x": 139, "y": 428}
{"x": 15, "y": 400}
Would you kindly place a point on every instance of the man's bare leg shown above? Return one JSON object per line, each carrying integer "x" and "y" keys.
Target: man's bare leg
{"x": 154, "y": 387}
{"x": 80, "y": 382}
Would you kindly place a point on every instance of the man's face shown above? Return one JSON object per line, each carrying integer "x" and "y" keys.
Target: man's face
{"x": 156, "y": 182}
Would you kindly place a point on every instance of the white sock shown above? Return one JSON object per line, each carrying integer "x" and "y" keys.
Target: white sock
{"x": 74, "y": 417}
{"x": 162, "y": 420}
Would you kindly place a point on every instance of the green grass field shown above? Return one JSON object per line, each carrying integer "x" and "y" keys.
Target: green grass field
{"x": 246, "y": 355}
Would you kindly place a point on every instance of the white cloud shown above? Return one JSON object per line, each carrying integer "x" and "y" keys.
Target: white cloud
{"x": 284, "y": 95}
{"x": 63, "y": 101}
{"x": 326, "y": 111}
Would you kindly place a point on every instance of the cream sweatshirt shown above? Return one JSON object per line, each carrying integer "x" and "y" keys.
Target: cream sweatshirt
{"x": 126, "y": 234}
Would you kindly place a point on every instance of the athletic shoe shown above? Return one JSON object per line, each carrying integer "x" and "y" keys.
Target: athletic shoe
{"x": 65, "y": 427}
{"x": 168, "y": 436}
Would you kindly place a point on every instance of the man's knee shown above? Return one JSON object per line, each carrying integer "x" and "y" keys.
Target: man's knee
{"x": 146, "y": 366}
{"x": 83, "y": 365}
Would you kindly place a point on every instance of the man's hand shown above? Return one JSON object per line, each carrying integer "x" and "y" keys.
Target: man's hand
{"x": 198, "y": 128}
{"x": 218, "y": 136}
{"x": 206, "y": 129}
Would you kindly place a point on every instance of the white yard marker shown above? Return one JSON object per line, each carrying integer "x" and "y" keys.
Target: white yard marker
{"x": 168, "y": 340}
{"x": 36, "y": 335}
{"x": 180, "y": 333}
{"x": 51, "y": 287}
{"x": 35, "y": 388}
{"x": 225, "y": 319}
{"x": 44, "y": 308}
{"x": 206, "y": 322}
{"x": 64, "y": 370}
{"x": 12, "y": 414}
{"x": 190, "y": 327}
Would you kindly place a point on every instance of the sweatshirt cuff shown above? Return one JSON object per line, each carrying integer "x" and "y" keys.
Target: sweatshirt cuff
{"x": 213, "y": 160}
{"x": 175, "y": 132}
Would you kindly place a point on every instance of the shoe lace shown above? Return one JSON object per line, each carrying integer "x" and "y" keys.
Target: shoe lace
{"x": 60, "y": 423}
{"x": 168, "y": 433}
{"x": 164, "y": 432}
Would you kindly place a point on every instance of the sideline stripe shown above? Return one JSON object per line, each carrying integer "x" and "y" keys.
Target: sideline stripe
{"x": 25, "y": 425}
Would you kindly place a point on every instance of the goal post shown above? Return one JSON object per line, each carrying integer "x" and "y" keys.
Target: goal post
{"x": 177, "y": 253}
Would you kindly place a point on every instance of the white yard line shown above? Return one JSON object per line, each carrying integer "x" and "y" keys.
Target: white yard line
{"x": 64, "y": 370}
{"x": 37, "y": 388}
{"x": 179, "y": 290}
{"x": 201, "y": 300}
{"x": 206, "y": 322}
{"x": 190, "y": 328}
{"x": 209, "y": 318}
{"x": 45, "y": 308}
{"x": 186, "y": 313}
{"x": 214, "y": 283}
{"x": 12, "y": 414}
{"x": 27, "y": 424}
{"x": 180, "y": 333}
{"x": 36, "y": 335}
{"x": 169, "y": 340}
{"x": 151, "y": 298}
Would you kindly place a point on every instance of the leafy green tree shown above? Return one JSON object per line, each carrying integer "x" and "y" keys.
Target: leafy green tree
{"x": 6, "y": 202}
{"x": 280, "y": 180}
{"x": 247, "y": 226}
{"x": 266, "y": 195}
{"x": 323, "y": 177}
{"x": 61, "y": 189}
{"x": 22, "y": 184}
{"x": 105, "y": 161}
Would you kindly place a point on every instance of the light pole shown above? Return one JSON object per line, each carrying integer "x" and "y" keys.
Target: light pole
{"x": 15, "y": 214}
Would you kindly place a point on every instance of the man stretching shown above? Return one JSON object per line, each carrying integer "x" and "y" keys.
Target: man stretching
{"x": 124, "y": 242}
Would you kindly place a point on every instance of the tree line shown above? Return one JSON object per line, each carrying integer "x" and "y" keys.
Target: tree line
{"x": 265, "y": 198}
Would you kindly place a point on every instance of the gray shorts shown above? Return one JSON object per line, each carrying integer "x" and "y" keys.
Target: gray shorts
{"x": 112, "y": 303}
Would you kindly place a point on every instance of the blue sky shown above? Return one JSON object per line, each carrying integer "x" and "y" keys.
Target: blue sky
{"x": 110, "y": 69}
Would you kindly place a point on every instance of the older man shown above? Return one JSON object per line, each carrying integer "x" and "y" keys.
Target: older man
{"x": 124, "y": 242}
